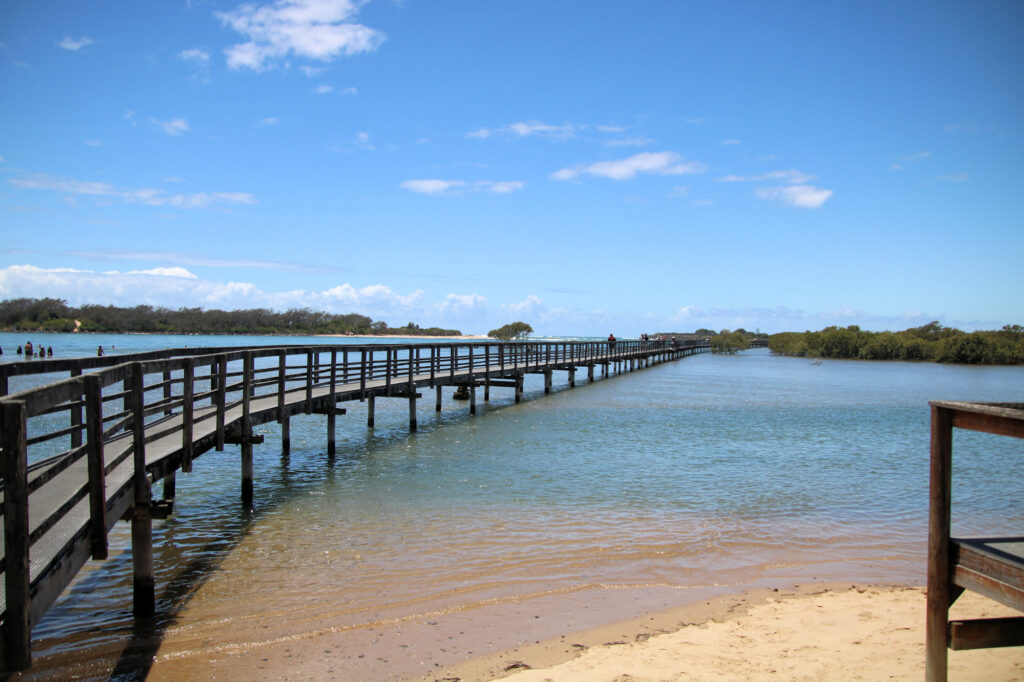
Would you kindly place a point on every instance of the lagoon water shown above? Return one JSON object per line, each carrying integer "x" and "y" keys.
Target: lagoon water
{"x": 639, "y": 491}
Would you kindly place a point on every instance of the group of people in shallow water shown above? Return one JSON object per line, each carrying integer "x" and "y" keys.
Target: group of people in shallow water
{"x": 30, "y": 351}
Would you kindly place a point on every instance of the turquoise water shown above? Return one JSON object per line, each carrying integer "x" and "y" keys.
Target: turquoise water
{"x": 709, "y": 471}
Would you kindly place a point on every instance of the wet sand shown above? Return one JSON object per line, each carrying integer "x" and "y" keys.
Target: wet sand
{"x": 815, "y": 631}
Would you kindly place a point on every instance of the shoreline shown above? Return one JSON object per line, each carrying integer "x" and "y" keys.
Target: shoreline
{"x": 811, "y": 631}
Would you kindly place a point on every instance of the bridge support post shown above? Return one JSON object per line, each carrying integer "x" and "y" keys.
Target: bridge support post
{"x": 590, "y": 373}
{"x": 519, "y": 387}
{"x": 143, "y": 596}
{"x": 169, "y": 486}
{"x": 412, "y": 411}
{"x": 286, "y": 435}
{"x": 437, "y": 402}
{"x": 14, "y": 463}
{"x": 331, "y": 416}
{"x": 572, "y": 377}
{"x": 547, "y": 382}
{"x": 472, "y": 398}
{"x": 247, "y": 377}
{"x": 487, "y": 390}
{"x": 370, "y": 404}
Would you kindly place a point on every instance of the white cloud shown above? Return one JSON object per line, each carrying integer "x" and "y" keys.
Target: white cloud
{"x": 268, "y": 121}
{"x": 526, "y": 308}
{"x": 610, "y": 128}
{"x": 629, "y": 142}
{"x": 502, "y": 187}
{"x": 680, "y": 191}
{"x": 164, "y": 272}
{"x": 791, "y": 176}
{"x": 175, "y": 126}
{"x": 191, "y": 259}
{"x": 801, "y": 196}
{"x": 2, "y": 159}
{"x": 93, "y": 143}
{"x": 439, "y": 187}
{"x": 75, "y": 44}
{"x": 314, "y": 29}
{"x": 527, "y": 129}
{"x": 195, "y": 54}
{"x": 323, "y": 89}
{"x": 657, "y": 163}
{"x": 431, "y": 187}
{"x": 147, "y": 196}
{"x": 311, "y": 71}
{"x": 460, "y": 304}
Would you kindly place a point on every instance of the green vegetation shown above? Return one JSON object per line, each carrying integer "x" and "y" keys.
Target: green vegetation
{"x": 726, "y": 341}
{"x": 513, "y": 331}
{"x": 930, "y": 342}
{"x": 54, "y": 315}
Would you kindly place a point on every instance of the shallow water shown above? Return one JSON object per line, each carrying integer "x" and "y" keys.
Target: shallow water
{"x": 713, "y": 470}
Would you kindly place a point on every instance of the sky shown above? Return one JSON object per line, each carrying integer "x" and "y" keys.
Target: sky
{"x": 586, "y": 167}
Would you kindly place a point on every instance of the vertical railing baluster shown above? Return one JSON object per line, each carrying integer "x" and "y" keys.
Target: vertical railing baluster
{"x": 14, "y": 467}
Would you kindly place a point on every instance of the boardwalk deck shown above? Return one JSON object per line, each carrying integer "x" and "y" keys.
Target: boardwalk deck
{"x": 82, "y": 453}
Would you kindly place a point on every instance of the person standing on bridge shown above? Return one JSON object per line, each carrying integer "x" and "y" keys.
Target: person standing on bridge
{"x": 611, "y": 342}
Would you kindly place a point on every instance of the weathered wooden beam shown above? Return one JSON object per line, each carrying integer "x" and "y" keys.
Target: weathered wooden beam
{"x": 985, "y": 633}
{"x": 96, "y": 466}
{"x": 370, "y": 400}
{"x": 939, "y": 497}
{"x": 437, "y": 403}
{"x": 246, "y": 444}
{"x": 14, "y": 468}
{"x": 144, "y": 592}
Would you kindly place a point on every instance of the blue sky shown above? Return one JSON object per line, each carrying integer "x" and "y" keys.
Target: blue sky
{"x": 585, "y": 167}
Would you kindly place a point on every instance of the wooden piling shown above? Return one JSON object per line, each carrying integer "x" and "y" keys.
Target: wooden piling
{"x": 938, "y": 599}
{"x": 547, "y": 381}
{"x": 247, "y": 376}
{"x": 144, "y": 593}
{"x": 96, "y": 465}
{"x": 412, "y": 411}
{"x": 370, "y": 400}
{"x": 437, "y": 403}
{"x": 14, "y": 467}
{"x": 472, "y": 398}
{"x": 286, "y": 435}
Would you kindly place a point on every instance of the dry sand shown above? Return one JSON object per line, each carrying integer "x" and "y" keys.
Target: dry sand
{"x": 816, "y": 633}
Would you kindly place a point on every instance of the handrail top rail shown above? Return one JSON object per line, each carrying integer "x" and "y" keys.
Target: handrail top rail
{"x": 1013, "y": 411}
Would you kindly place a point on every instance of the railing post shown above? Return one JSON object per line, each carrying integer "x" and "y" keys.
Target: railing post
{"x": 387, "y": 372}
{"x": 144, "y": 594}
{"x": 453, "y": 356}
{"x": 487, "y": 373}
{"x": 433, "y": 359}
{"x": 362, "y": 377}
{"x": 221, "y": 398}
{"x": 76, "y": 415}
{"x": 309, "y": 382}
{"x": 247, "y": 376}
{"x": 331, "y": 403}
{"x": 938, "y": 599}
{"x": 282, "y": 372}
{"x": 167, "y": 391}
{"x": 97, "y": 472}
{"x": 14, "y": 467}
{"x": 187, "y": 412}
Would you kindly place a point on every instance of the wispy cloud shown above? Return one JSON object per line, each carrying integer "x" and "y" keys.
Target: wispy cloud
{"x": 800, "y": 196}
{"x": 323, "y": 89}
{"x": 656, "y": 163}
{"x": 629, "y": 142}
{"x": 522, "y": 129}
{"x": 791, "y": 176}
{"x": 953, "y": 177}
{"x": 93, "y": 143}
{"x": 174, "y": 126}
{"x": 314, "y": 29}
{"x": 903, "y": 160}
{"x": 75, "y": 44}
{"x": 268, "y": 121}
{"x": 435, "y": 187}
{"x": 195, "y": 55}
{"x": 146, "y": 196}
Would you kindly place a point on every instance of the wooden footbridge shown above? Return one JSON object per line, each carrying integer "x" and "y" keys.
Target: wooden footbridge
{"x": 81, "y": 453}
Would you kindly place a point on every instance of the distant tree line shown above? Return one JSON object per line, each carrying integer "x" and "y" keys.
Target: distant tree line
{"x": 513, "y": 331}
{"x": 931, "y": 342}
{"x": 55, "y": 315}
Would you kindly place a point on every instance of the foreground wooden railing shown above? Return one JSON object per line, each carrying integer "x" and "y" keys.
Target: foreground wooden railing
{"x": 80, "y": 453}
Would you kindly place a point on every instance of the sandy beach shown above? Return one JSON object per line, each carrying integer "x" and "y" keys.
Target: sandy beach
{"x": 812, "y": 632}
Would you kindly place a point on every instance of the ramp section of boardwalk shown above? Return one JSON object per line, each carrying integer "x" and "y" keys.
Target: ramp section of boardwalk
{"x": 81, "y": 453}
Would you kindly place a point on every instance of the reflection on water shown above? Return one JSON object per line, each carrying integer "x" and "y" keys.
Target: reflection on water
{"x": 710, "y": 470}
